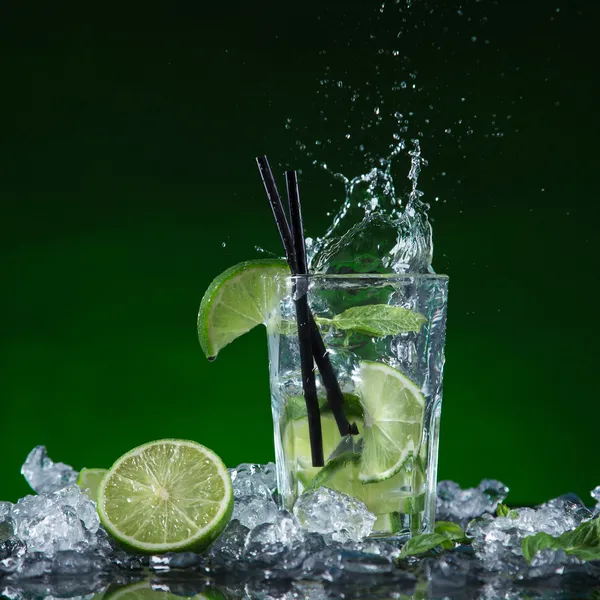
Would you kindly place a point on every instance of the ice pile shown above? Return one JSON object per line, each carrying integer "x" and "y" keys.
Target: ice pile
{"x": 57, "y": 530}
{"x": 43, "y": 475}
{"x": 461, "y": 506}
{"x": 325, "y": 531}
{"x": 497, "y": 541}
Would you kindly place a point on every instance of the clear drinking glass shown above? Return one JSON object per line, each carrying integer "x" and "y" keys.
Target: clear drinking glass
{"x": 392, "y": 387}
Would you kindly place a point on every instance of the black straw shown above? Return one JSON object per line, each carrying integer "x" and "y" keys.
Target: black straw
{"x": 303, "y": 319}
{"x": 335, "y": 397}
{"x": 278, "y": 212}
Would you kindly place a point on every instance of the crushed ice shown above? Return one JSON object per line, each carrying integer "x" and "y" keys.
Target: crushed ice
{"x": 57, "y": 531}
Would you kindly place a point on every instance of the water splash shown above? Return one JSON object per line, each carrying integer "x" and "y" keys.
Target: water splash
{"x": 375, "y": 231}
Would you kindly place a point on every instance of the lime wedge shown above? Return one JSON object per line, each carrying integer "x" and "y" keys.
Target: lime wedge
{"x": 89, "y": 481}
{"x": 237, "y": 300}
{"x": 394, "y": 409}
{"x": 165, "y": 496}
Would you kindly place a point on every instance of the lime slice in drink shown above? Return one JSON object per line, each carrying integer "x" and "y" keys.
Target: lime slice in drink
{"x": 394, "y": 409}
{"x": 340, "y": 474}
{"x": 296, "y": 444}
{"x": 89, "y": 481}
{"x": 165, "y": 496}
{"x": 237, "y": 300}
{"x": 295, "y": 407}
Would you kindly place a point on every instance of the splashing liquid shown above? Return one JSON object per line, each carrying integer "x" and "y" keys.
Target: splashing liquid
{"x": 382, "y": 234}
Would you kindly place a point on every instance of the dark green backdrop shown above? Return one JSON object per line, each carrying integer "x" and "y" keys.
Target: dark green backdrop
{"x": 127, "y": 158}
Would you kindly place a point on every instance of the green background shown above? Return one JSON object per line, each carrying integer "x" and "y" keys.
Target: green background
{"x": 127, "y": 158}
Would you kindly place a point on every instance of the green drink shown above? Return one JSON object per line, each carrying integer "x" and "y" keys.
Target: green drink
{"x": 385, "y": 337}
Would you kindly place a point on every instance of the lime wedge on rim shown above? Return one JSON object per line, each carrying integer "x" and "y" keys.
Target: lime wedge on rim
{"x": 166, "y": 496}
{"x": 89, "y": 481}
{"x": 394, "y": 409}
{"x": 237, "y": 300}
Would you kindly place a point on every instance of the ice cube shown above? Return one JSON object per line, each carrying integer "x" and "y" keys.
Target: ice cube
{"x": 5, "y": 508}
{"x": 268, "y": 541}
{"x": 253, "y": 488}
{"x": 231, "y": 543}
{"x": 572, "y": 507}
{"x": 460, "y": 506}
{"x": 254, "y": 480}
{"x": 252, "y": 511}
{"x": 329, "y": 512}
{"x": 43, "y": 475}
{"x": 12, "y": 547}
{"x": 49, "y": 523}
{"x": 284, "y": 530}
{"x": 6, "y": 528}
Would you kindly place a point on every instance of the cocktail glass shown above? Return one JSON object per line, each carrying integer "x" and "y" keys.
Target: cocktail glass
{"x": 392, "y": 387}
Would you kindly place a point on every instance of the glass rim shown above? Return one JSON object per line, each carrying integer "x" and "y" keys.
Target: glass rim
{"x": 372, "y": 277}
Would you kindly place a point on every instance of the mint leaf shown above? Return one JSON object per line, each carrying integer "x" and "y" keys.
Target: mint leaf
{"x": 451, "y": 530}
{"x": 377, "y": 320}
{"x": 504, "y": 511}
{"x": 445, "y": 534}
{"x": 532, "y": 544}
{"x": 582, "y": 542}
{"x": 422, "y": 543}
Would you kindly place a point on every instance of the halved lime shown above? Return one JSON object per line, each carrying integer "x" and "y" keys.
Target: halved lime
{"x": 394, "y": 409}
{"x": 89, "y": 481}
{"x": 237, "y": 300}
{"x": 142, "y": 590}
{"x": 166, "y": 495}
